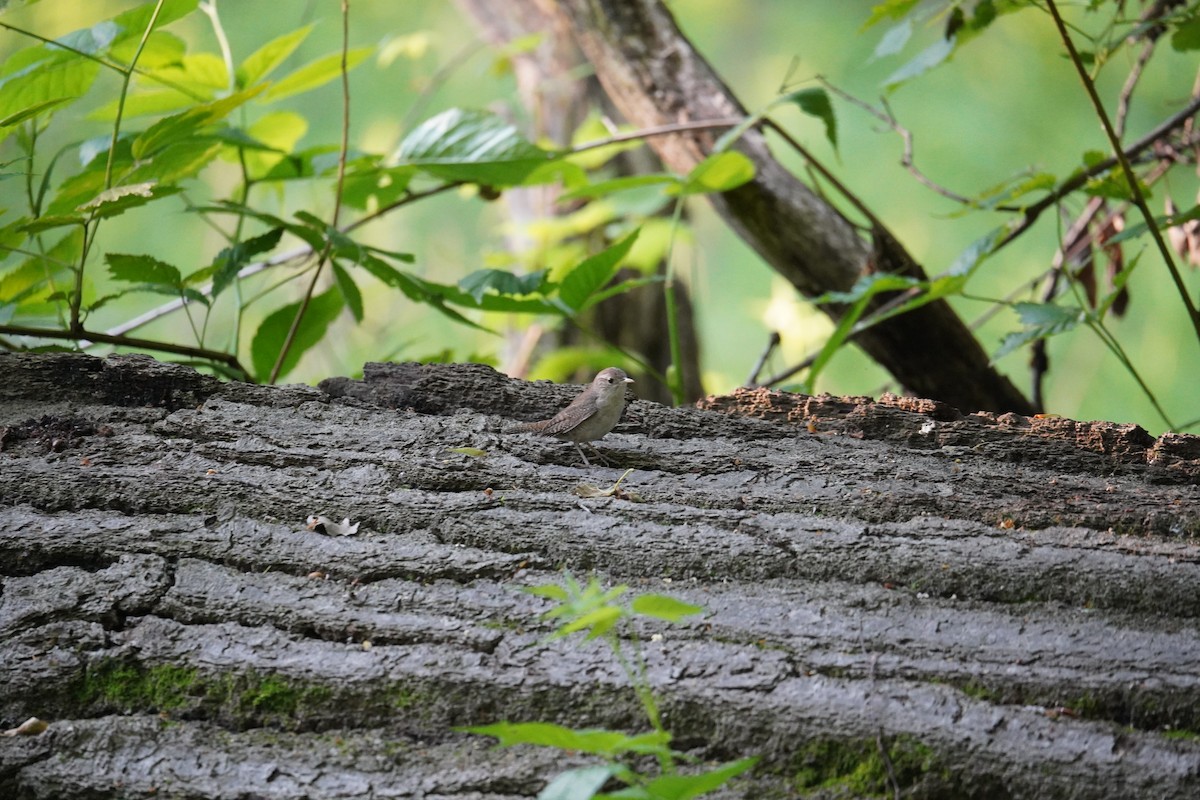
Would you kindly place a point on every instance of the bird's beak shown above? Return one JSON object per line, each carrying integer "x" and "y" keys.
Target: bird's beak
{"x": 628, "y": 379}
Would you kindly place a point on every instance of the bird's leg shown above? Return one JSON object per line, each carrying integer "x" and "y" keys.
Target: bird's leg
{"x": 581, "y": 455}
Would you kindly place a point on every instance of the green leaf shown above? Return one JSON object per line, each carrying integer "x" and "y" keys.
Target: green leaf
{"x": 1162, "y": 223}
{"x": 349, "y": 290}
{"x": 263, "y": 61}
{"x": 318, "y": 73}
{"x": 605, "y": 188}
{"x": 119, "y": 199}
{"x": 596, "y": 622}
{"x": 590, "y": 275}
{"x": 867, "y": 287}
{"x": 661, "y": 606}
{"x": 578, "y": 784}
{"x": 33, "y": 111}
{"x": 269, "y": 338}
{"x": 890, "y": 9}
{"x": 143, "y": 269}
{"x": 230, "y": 260}
{"x": 978, "y": 251}
{"x": 720, "y": 172}
{"x": 54, "y": 221}
{"x": 685, "y": 787}
{"x": 596, "y": 741}
{"x": 187, "y": 124}
{"x": 479, "y": 282}
{"x": 815, "y": 103}
{"x": 135, "y": 21}
{"x": 924, "y": 61}
{"x": 549, "y": 590}
{"x": 56, "y": 78}
{"x": 1187, "y": 35}
{"x": 1040, "y": 320}
{"x": 471, "y": 146}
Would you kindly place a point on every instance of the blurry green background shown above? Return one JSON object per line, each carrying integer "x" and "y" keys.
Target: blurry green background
{"x": 1007, "y": 102}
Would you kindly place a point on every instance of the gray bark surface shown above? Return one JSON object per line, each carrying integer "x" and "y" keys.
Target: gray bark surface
{"x": 1006, "y": 607}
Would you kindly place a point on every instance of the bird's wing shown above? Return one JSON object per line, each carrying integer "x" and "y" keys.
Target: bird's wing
{"x": 559, "y": 424}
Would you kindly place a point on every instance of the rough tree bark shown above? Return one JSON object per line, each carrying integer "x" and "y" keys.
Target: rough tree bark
{"x": 1006, "y": 607}
{"x": 655, "y": 77}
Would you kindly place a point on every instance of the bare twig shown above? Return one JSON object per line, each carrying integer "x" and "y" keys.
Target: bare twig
{"x": 337, "y": 198}
{"x": 772, "y": 342}
{"x": 906, "y": 158}
{"x": 228, "y": 359}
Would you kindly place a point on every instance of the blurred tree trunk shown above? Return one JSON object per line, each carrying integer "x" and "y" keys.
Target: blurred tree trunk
{"x": 558, "y": 99}
{"x": 655, "y": 77}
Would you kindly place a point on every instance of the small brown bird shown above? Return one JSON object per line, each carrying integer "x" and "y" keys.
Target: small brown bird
{"x": 591, "y": 415}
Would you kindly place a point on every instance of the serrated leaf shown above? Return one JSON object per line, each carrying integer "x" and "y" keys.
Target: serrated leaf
{"x": 479, "y": 283}
{"x": 1040, "y": 320}
{"x": 661, "y": 606}
{"x": 471, "y": 146}
{"x": 316, "y": 74}
{"x": 815, "y": 103}
{"x": 142, "y": 269}
{"x": 978, "y": 251}
{"x": 591, "y": 274}
{"x": 230, "y": 260}
{"x": 188, "y": 123}
{"x": 269, "y": 338}
{"x": 720, "y": 172}
{"x": 263, "y": 61}
{"x": 119, "y": 199}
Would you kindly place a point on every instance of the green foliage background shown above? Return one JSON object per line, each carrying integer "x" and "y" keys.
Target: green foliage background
{"x": 1008, "y": 101}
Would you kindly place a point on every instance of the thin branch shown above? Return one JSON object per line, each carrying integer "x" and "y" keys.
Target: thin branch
{"x": 906, "y": 158}
{"x": 659, "y": 130}
{"x": 228, "y": 359}
{"x": 772, "y": 342}
{"x": 1135, "y": 190}
{"x": 1131, "y": 82}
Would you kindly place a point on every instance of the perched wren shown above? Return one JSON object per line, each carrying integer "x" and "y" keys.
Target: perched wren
{"x": 590, "y": 415}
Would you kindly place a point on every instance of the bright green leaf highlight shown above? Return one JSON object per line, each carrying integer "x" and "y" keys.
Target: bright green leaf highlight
{"x": 318, "y": 73}
{"x": 661, "y": 606}
{"x": 720, "y": 172}
{"x": 471, "y": 146}
{"x": 263, "y": 61}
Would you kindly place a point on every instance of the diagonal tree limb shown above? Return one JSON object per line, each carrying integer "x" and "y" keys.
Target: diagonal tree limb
{"x": 654, "y": 76}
